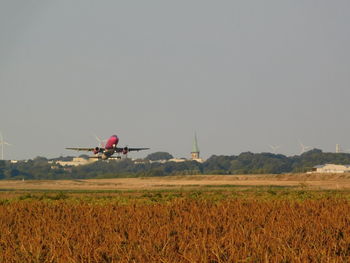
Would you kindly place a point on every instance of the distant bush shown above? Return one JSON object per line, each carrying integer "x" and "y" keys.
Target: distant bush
{"x": 159, "y": 156}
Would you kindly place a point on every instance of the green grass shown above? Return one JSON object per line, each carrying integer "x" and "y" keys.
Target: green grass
{"x": 208, "y": 192}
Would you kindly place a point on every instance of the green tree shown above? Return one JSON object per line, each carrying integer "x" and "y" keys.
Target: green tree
{"x": 159, "y": 156}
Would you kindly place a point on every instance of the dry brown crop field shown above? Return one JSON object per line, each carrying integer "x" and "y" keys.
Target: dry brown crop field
{"x": 166, "y": 226}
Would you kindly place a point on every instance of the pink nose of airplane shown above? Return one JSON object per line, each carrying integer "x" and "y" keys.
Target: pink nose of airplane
{"x": 112, "y": 142}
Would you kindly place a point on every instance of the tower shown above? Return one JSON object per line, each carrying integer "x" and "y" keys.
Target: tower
{"x": 338, "y": 148}
{"x": 195, "y": 149}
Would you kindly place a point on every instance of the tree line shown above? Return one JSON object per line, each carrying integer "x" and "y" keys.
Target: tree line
{"x": 244, "y": 163}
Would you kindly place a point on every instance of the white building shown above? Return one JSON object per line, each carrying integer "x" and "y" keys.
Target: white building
{"x": 76, "y": 161}
{"x": 175, "y": 160}
{"x": 331, "y": 168}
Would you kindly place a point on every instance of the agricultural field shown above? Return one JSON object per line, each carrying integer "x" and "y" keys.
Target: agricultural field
{"x": 309, "y": 181}
{"x": 197, "y": 223}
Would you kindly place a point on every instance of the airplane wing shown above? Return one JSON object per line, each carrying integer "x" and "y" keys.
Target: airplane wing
{"x": 85, "y": 149}
{"x": 119, "y": 150}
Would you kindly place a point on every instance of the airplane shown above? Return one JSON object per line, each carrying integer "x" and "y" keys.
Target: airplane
{"x": 109, "y": 149}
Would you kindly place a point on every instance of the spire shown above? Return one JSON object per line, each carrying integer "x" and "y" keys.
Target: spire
{"x": 195, "y": 148}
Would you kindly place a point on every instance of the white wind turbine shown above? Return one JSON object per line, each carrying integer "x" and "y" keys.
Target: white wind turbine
{"x": 303, "y": 147}
{"x": 274, "y": 148}
{"x": 2, "y": 143}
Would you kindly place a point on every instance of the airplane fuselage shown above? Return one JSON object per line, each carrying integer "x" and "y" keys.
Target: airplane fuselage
{"x": 112, "y": 142}
{"x": 110, "y": 147}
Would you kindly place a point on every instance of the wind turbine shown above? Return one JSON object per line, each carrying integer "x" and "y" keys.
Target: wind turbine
{"x": 274, "y": 148}
{"x": 303, "y": 147}
{"x": 2, "y": 143}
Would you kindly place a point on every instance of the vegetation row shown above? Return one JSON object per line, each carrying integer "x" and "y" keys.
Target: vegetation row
{"x": 245, "y": 163}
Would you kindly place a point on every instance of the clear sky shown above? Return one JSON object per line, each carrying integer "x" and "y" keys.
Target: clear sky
{"x": 242, "y": 74}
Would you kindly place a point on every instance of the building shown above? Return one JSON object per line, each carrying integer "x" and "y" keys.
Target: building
{"x": 175, "y": 160}
{"x": 76, "y": 162}
{"x": 195, "y": 151}
{"x": 331, "y": 168}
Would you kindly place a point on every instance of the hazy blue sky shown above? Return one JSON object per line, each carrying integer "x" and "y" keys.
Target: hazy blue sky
{"x": 243, "y": 74}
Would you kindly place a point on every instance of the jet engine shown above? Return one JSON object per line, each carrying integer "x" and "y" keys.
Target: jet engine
{"x": 96, "y": 150}
{"x": 125, "y": 150}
